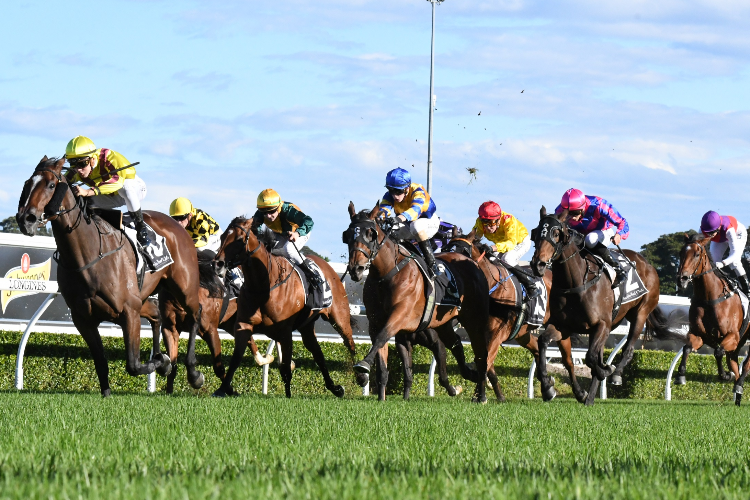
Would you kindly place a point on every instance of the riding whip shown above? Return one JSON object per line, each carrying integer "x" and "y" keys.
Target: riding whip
{"x": 623, "y": 253}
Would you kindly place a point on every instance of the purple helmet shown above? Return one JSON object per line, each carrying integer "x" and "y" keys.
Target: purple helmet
{"x": 710, "y": 222}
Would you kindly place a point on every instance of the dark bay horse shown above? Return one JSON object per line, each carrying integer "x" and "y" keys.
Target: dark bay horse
{"x": 502, "y": 306}
{"x": 272, "y": 302}
{"x": 716, "y": 315}
{"x": 96, "y": 270}
{"x": 175, "y": 320}
{"x": 394, "y": 297}
{"x": 581, "y": 302}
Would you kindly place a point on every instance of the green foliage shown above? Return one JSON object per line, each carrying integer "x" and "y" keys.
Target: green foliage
{"x": 664, "y": 255}
{"x": 307, "y": 251}
{"x": 10, "y": 225}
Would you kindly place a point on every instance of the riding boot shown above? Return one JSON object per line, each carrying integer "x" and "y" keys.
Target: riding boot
{"x": 429, "y": 257}
{"x": 140, "y": 228}
{"x": 602, "y": 251}
{"x": 744, "y": 284}
{"x": 312, "y": 276}
{"x": 530, "y": 284}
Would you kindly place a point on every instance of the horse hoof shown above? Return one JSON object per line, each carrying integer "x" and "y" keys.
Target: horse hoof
{"x": 471, "y": 366}
{"x": 219, "y": 393}
{"x": 583, "y": 397}
{"x": 292, "y": 366}
{"x": 262, "y": 360}
{"x": 737, "y": 398}
{"x": 106, "y": 393}
{"x": 477, "y": 399}
{"x": 549, "y": 394}
{"x": 338, "y": 391}
{"x": 166, "y": 366}
{"x": 680, "y": 380}
{"x": 362, "y": 367}
{"x": 738, "y": 389}
{"x": 362, "y": 379}
{"x": 726, "y": 377}
{"x": 615, "y": 380}
{"x": 458, "y": 389}
{"x": 198, "y": 382}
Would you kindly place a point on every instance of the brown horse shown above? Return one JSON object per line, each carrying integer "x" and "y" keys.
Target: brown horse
{"x": 174, "y": 321}
{"x": 394, "y": 297}
{"x": 272, "y": 302}
{"x": 716, "y": 316}
{"x": 503, "y": 310}
{"x": 96, "y": 270}
{"x": 581, "y": 302}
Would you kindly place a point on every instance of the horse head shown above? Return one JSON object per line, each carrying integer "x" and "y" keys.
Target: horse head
{"x": 550, "y": 237}
{"x": 364, "y": 237}
{"x": 238, "y": 243}
{"x": 42, "y": 195}
{"x": 464, "y": 244}
{"x": 694, "y": 259}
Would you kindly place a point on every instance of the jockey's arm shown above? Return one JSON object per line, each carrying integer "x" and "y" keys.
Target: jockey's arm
{"x": 304, "y": 222}
{"x": 734, "y": 248}
{"x": 514, "y": 232}
{"x": 609, "y": 213}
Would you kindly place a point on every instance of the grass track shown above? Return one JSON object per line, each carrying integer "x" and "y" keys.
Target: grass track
{"x": 133, "y": 446}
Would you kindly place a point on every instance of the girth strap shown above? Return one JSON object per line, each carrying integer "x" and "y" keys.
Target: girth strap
{"x": 398, "y": 267}
{"x": 583, "y": 287}
{"x": 56, "y": 256}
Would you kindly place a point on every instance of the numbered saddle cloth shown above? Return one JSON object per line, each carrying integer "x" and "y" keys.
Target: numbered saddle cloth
{"x": 316, "y": 297}
{"x": 632, "y": 286}
{"x": 156, "y": 255}
{"x": 536, "y": 307}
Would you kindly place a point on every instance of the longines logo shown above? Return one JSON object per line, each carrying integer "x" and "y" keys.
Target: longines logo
{"x": 25, "y": 279}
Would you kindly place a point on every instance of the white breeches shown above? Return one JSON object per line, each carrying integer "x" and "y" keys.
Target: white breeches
{"x": 605, "y": 236}
{"x": 424, "y": 228}
{"x": 132, "y": 192}
{"x": 288, "y": 249}
{"x": 511, "y": 257}
{"x": 736, "y": 245}
{"x": 214, "y": 242}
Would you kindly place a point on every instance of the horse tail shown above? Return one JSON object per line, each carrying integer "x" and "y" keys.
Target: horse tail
{"x": 663, "y": 327}
{"x": 208, "y": 278}
{"x": 353, "y": 323}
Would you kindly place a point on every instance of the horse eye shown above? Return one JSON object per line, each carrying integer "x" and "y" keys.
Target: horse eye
{"x": 51, "y": 185}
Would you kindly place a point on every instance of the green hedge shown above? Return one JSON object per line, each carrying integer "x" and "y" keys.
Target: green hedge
{"x": 62, "y": 363}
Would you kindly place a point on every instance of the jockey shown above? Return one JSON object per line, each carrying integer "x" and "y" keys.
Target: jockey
{"x": 204, "y": 230}
{"x": 110, "y": 177}
{"x": 726, "y": 232}
{"x": 510, "y": 239}
{"x": 412, "y": 206}
{"x": 601, "y": 224}
{"x": 286, "y": 219}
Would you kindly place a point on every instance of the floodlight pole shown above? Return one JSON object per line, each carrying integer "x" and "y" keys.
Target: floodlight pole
{"x": 432, "y": 98}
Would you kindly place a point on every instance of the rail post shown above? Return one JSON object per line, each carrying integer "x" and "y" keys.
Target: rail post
{"x": 618, "y": 347}
{"x": 271, "y": 345}
{"x": 25, "y": 338}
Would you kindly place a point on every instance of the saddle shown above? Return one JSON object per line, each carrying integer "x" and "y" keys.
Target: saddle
{"x": 631, "y": 288}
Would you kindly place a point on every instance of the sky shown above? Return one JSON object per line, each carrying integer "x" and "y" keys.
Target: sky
{"x": 645, "y": 104}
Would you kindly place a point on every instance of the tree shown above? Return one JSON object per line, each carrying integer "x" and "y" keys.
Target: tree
{"x": 307, "y": 251}
{"x": 664, "y": 255}
{"x": 9, "y": 225}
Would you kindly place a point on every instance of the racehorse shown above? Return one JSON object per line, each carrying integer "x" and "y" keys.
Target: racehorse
{"x": 272, "y": 302}
{"x": 96, "y": 269}
{"x": 394, "y": 297}
{"x": 211, "y": 298}
{"x": 502, "y": 307}
{"x": 581, "y": 302}
{"x": 716, "y": 316}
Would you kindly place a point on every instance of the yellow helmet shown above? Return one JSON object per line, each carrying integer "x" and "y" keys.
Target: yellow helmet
{"x": 79, "y": 147}
{"x": 269, "y": 200}
{"x": 180, "y": 207}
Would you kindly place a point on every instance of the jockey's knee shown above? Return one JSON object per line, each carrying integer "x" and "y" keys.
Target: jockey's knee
{"x": 594, "y": 238}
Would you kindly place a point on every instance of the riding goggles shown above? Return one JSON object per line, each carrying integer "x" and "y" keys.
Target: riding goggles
{"x": 490, "y": 222}
{"x": 78, "y": 163}
{"x": 397, "y": 192}
{"x": 180, "y": 218}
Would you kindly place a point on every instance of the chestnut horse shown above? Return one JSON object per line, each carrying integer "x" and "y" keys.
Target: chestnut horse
{"x": 211, "y": 298}
{"x": 394, "y": 297}
{"x": 581, "y": 302}
{"x": 272, "y": 302}
{"x": 96, "y": 270}
{"x": 502, "y": 309}
{"x": 716, "y": 316}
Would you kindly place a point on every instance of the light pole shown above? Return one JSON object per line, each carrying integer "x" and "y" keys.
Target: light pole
{"x": 432, "y": 98}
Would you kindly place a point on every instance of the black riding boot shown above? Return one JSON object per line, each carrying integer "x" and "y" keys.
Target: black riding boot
{"x": 140, "y": 228}
{"x": 312, "y": 276}
{"x": 527, "y": 281}
{"x": 429, "y": 257}
{"x": 744, "y": 284}
{"x": 603, "y": 252}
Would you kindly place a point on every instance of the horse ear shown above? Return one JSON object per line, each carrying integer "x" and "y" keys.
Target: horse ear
{"x": 352, "y": 211}
{"x": 60, "y": 164}
{"x": 374, "y": 212}
{"x": 454, "y": 232}
{"x": 563, "y": 216}
{"x": 687, "y": 237}
{"x": 472, "y": 236}
{"x": 542, "y": 212}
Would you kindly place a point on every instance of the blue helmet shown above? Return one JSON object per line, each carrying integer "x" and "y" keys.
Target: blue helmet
{"x": 398, "y": 178}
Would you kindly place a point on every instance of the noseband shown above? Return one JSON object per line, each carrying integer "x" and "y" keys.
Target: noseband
{"x": 356, "y": 234}
{"x": 234, "y": 263}
{"x": 544, "y": 233}
{"x": 704, "y": 256}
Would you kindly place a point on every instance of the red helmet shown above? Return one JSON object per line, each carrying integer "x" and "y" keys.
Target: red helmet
{"x": 490, "y": 210}
{"x": 573, "y": 199}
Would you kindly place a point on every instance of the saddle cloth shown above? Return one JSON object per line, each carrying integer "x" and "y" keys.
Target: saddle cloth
{"x": 536, "y": 306}
{"x": 156, "y": 255}
{"x": 446, "y": 288}
{"x": 316, "y": 298}
{"x": 632, "y": 286}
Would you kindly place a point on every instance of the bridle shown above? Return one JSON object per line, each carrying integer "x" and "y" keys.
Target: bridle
{"x": 726, "y": 292}
{"x": 356, "y": 234}
{"x": 246, "y": 254}
{"x": 544, "y": 233}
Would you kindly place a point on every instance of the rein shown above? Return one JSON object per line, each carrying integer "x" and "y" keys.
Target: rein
{"x": 727, "y": 293}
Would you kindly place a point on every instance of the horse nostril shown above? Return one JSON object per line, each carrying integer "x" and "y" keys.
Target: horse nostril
{"x": 30, "y": 218}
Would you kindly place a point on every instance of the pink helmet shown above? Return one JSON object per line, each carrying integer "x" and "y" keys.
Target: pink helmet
{"x": 573, "y": 199}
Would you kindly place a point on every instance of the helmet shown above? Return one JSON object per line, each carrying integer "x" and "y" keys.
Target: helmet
{"x": 268, "y": 200}
{"x": 398, "y": 178}
{"x": 180, "y": 207}
{"x": 490, "y": 210}
{"x": 79, "y": 147}
{"x": 710, "y": 222}
{"x": 573, "y": 199}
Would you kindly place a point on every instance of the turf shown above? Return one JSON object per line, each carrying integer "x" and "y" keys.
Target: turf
{"x": 154, "y": 446}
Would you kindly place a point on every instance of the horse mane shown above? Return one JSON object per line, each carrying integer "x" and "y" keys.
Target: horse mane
{"x": 697, "y": 237}
{"x": 239, "y": 220}
{"x": 207, "y": 276}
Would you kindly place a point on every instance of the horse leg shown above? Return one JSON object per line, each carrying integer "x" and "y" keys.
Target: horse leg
{"x": 195, "y": 377}
{"x": 499, "y": 335}
{"x": 382, "y": 359}
{"x": 285, "y": 364}
{"x": 636, "y": 327}
{"x": 241, "y": 337}
{"x": 211, "y": 337}
{"x": 738, "y": 385}
{"x": 403, "y": 347}
{"x": 719, "y": 356}
{"x": 595, "y": 354}
{"x": 90, "y": 334}
{"x": 452, "y": 341}
{"x": 311, "y": 343}
{"x": 693, "y": 344}
{"x": 433, "y": 343}
{"x": 567, "y": 359}
{"x": 171, "y": 343}
{"x": 150, "y": 311}
{"x": 548, "y": 390}
{"x": 130, "y": 322}
{"x": 341, "y": 320}
{"x": 595, "y": 381}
